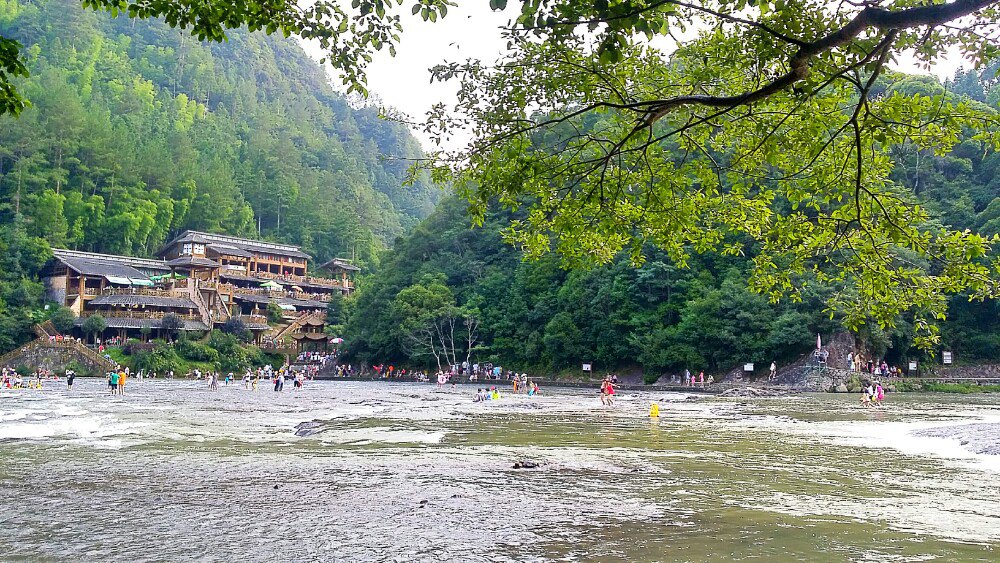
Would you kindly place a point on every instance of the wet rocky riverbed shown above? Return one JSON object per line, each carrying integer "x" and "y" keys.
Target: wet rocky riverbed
{"x": 403, "y": 472}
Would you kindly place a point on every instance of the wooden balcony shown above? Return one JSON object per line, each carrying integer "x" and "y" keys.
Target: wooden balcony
{"x": 143, "y": 291}
{"x": 252, "y": 319}
{"x": 138, "y": 314}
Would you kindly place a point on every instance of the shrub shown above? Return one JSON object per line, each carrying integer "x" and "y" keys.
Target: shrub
{"x": 159, "y": 359}
{"x": 196, "y": 351}
{"x": 274, "y": 313}
{"x": 171, "y": 324}
{"x": 62, "y": 318}
{"x": 94, "y": 324}
{"x": 237, "y": 328}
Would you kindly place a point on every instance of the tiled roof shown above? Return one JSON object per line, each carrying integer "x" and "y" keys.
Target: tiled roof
{"x": 253, "y": 298}
{"x": 193, "y": 261}
{"x": 90, "y": 264}
{"x": 307, "y": 303}
{"x": 227, "y": 274}
{"x": 241, "y": 243}
{"x": 340, "y": 263}
{"x": 124, "y": 322}
{"x": 229, "y": 250}
{"x": 144, "y": 300}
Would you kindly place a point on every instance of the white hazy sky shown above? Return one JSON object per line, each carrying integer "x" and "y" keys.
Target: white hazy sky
{"x": 471, "y": 31}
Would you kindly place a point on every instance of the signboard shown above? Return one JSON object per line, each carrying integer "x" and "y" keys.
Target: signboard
{"x": 946, "y": 357}
{"x": 913, "y": 366}
{"x": 586, "y": 367}
{"x": 748, "y": 367}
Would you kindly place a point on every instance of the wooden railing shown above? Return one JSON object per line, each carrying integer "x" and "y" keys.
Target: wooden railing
{"x": 142, "y": 291}
{"x": 277, "y": 294}
{"x": 260, "y": 291}
{"x": 133, "y": 314}
{"x": 254, "y": 319}
{"x": 326, "y": 282}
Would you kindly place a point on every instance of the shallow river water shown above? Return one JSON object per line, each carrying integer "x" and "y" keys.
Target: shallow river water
{"x": 408, "y": 472}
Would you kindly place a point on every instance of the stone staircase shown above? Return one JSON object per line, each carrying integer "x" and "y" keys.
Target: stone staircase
{"x": 279, "y": 332}
{"x": 53, "y": 354}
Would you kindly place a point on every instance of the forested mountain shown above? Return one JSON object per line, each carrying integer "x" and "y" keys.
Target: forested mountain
{"x": 659, "y": 317}
{"x": 138, "y": 130}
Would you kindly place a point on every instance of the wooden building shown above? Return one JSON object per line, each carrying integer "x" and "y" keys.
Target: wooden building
{"x": 204, "y": 278}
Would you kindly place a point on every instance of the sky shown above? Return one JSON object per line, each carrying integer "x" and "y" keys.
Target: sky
{"x": 471, "y": 30}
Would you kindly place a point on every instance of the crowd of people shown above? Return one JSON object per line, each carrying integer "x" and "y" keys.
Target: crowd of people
{"x": 319, "y": 358}
{"x": 856, "y": 362}
{"x": 11, "y": 379}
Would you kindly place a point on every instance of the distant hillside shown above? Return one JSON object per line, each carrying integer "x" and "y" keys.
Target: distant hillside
{"x": 139, "y": 131}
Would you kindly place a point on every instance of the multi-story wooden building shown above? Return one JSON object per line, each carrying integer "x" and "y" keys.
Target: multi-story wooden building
{"x": 204, "y": 278}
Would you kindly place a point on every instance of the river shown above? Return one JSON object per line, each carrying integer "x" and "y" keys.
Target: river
{"x": 410, "y": 472}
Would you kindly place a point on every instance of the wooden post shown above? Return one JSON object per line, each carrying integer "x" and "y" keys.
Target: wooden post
{"x": 83, "y": 290}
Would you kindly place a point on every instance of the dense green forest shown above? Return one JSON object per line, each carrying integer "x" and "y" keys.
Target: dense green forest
{"x": 138, "y": 131}
{"x": 656, "y": 317}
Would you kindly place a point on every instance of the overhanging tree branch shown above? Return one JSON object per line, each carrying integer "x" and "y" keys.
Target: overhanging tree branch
{"x": 799, "y": 64}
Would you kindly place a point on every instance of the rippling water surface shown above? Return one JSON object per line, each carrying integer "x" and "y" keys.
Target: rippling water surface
{"x": 404, "y": 472}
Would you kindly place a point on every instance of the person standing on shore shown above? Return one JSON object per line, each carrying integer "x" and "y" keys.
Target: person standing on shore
{"x": 774, "y": 371}
{"x": 70, "y": 376}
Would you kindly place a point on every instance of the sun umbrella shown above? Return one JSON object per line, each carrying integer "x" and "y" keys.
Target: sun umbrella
{"x": 271, "y": 284}
{"x": 336, "y": 340}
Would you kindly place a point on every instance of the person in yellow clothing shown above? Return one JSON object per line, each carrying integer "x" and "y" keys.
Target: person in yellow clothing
{"x": 122, "y": 376}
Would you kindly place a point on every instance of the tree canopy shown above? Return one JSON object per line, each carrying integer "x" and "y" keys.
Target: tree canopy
{"x": 689, "y": 127}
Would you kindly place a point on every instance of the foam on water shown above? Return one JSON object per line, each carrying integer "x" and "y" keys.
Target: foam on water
{"x": 422, "y": 473}
{"x": 380, "y": 434}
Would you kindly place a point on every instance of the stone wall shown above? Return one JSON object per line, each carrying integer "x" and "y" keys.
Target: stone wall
{"x": 981, "y": 371}
{"x": 55, "y": 289}
{"x": 53, "y": 356}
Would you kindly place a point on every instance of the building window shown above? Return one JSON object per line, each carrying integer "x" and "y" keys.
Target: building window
{"x": 187, "y": 249}
{"x": 199, "y": 249}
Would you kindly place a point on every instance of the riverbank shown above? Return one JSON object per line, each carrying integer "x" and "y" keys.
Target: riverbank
{"x": 945, "y": 387}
